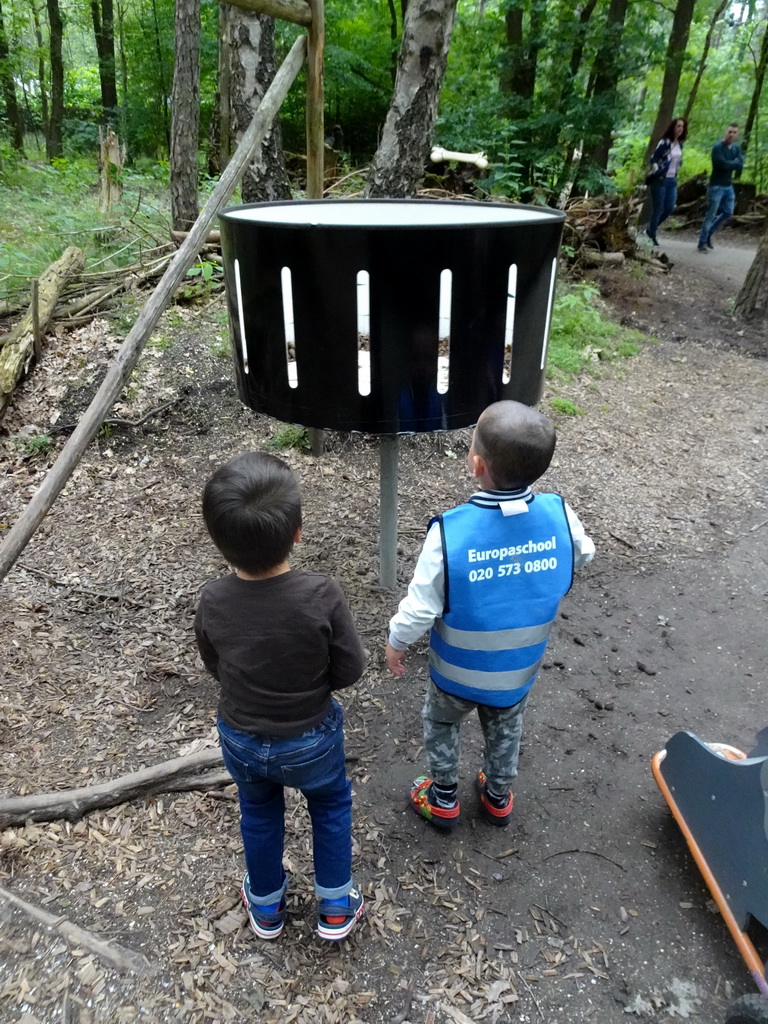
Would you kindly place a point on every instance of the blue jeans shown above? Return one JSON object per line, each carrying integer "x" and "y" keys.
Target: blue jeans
{"x": 663, "y": 199}
{"x": 262, "y": 766}
{"x": 721, "y": 200}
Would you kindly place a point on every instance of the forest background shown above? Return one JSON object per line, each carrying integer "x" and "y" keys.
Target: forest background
{"x": 532, "y": 83}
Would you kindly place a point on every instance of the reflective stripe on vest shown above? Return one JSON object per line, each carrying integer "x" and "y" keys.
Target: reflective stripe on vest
{"x": 505, "y": 576}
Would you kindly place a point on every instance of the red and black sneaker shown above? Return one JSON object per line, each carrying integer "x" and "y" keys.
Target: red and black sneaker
{"x": 495, "y": 814}
{"x": 422, "y": 799}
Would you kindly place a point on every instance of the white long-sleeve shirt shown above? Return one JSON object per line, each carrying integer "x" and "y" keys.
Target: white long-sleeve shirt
{"x": 425, "y": 599}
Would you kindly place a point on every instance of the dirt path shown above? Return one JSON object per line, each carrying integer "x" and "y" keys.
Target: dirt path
{"x": 588, "y": 908}
{"x": 726, "y": 265}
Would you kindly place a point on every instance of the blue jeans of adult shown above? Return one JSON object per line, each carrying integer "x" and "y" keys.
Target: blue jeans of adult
{"x": 663, "y": 199}
{"x": 721, "y": 200}
{"x": 314, "y": 763}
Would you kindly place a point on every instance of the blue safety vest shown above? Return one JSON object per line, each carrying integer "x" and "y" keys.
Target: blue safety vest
{"x": 504, "y": 578}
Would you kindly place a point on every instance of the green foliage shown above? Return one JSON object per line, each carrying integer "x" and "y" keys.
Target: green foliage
{"x": 159, "y": 342}
{"x": 34, "y": 446}
{"x": 582, "y": 336}
{"x": 46, "y": 207}
{"x": 221, "y": 347}
{"x": 567, "y": 408}
{"x": 289, "y": 436}
{"x": 200, "y": 280}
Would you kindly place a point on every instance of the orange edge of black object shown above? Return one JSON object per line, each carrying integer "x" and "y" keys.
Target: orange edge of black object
{"x": 742, "y": 940}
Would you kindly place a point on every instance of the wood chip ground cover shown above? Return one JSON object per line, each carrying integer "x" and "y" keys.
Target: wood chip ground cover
{"x": 585, "y": 909}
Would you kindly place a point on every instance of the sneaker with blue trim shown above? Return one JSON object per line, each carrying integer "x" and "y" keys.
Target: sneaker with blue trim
{"x": 497, "y": 810}
{"x": 426, "y": 805}
{"x": 266, "y": 922}
{"x": 336, "y": 920}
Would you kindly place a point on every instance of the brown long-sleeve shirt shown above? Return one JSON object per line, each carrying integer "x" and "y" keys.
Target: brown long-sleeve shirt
{"x": 279, "y": 647}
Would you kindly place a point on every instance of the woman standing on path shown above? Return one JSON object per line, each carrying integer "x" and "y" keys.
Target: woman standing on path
{"x": 662, "y": 181}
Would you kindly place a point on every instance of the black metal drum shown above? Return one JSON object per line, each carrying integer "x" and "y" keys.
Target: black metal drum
{"x": 389, "y": 316}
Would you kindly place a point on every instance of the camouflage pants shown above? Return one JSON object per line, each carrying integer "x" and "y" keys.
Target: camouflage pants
{"x": 502, "y": 727}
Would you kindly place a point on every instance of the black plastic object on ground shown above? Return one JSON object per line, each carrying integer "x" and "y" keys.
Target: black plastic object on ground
{"x": 389, "y": 316}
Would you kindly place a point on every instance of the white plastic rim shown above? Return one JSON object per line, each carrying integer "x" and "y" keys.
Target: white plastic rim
{"x": 359, "y": 213}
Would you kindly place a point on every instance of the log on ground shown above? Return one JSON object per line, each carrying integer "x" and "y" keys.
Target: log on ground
{"x": 180, "y": 773}
{"x": 18, "y": 348}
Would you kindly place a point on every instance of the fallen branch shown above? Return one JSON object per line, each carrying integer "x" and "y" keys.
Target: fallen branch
{"x": 18, "y": 348}
{"x": 178, "y": 774}
{"x": 112, "y": 953}
{"x": 97, "y": 298}
{"x": 60, "y": 428}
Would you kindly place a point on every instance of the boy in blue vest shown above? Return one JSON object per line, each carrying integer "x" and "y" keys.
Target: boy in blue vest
{"x": 488, "y": 582}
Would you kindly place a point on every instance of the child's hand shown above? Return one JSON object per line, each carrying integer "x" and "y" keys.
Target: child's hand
{"x": 395, "y": 660}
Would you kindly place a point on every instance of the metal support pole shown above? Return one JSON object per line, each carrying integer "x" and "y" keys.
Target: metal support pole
{"x": 388, "y": 511}
{"x": 315, "y": 126}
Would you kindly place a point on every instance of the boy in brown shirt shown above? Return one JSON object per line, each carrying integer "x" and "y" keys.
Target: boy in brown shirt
{"x": 280, "y": 641}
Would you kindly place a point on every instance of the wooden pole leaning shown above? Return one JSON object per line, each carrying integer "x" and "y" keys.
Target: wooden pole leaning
{"x": 128, "y": 355}
{"x": 315, "y": 130}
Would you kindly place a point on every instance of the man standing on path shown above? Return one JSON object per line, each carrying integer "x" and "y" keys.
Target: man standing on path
{"x": 726, "y": 158}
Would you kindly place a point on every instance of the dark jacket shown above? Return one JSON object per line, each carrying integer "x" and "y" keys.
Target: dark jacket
{"x": 725, "y": 160}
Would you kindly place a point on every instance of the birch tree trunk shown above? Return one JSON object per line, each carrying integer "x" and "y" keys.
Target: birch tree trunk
{"x": 185, "y": 108}
{"x": 398, "y": 165}
{"x": 252, "y": 49}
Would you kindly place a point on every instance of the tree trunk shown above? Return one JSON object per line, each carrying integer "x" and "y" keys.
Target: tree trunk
{"x": 53, "y": 147}
{"x": 220, "y": 135}
{"x": 605, "y": 79}
{"x": 12, "y": 112}
{"x": 252, "y": 48}
{"x": 185, "y": 107}
{"x": 406, "y": 140}
{"x": 673, "y": 66}
{"x": 518, "y": 77}
{"x": 752, "y": 300}
{"x": 111, "y": 162}
{"x": 762, "y": 63}
{"x": 703, "y": 62}
{"x": 40, "y": 66}
{"x": 123, "y": 61}
{"x": 161, "y": 75}
{"x": 18, "y": 349}
{"x": 104, "y": 33}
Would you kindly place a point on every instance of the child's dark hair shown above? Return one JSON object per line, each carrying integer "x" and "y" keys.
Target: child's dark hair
{"x": 252, "y": 508}
{"x": 516, "y": 442}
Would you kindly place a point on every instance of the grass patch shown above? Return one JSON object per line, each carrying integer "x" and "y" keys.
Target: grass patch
{"x": 39, "y": 444}
{"x": 582, "y": 336}
{"x": 291, "y": 436}
{"x": 46, "y": 207}
{"x": 562, "y": 405}
{"x": 221, "y": 348}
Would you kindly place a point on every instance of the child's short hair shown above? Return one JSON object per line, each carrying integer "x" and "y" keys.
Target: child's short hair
{"x": 516, "y": 442}
{"x": 252, "y": 508}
